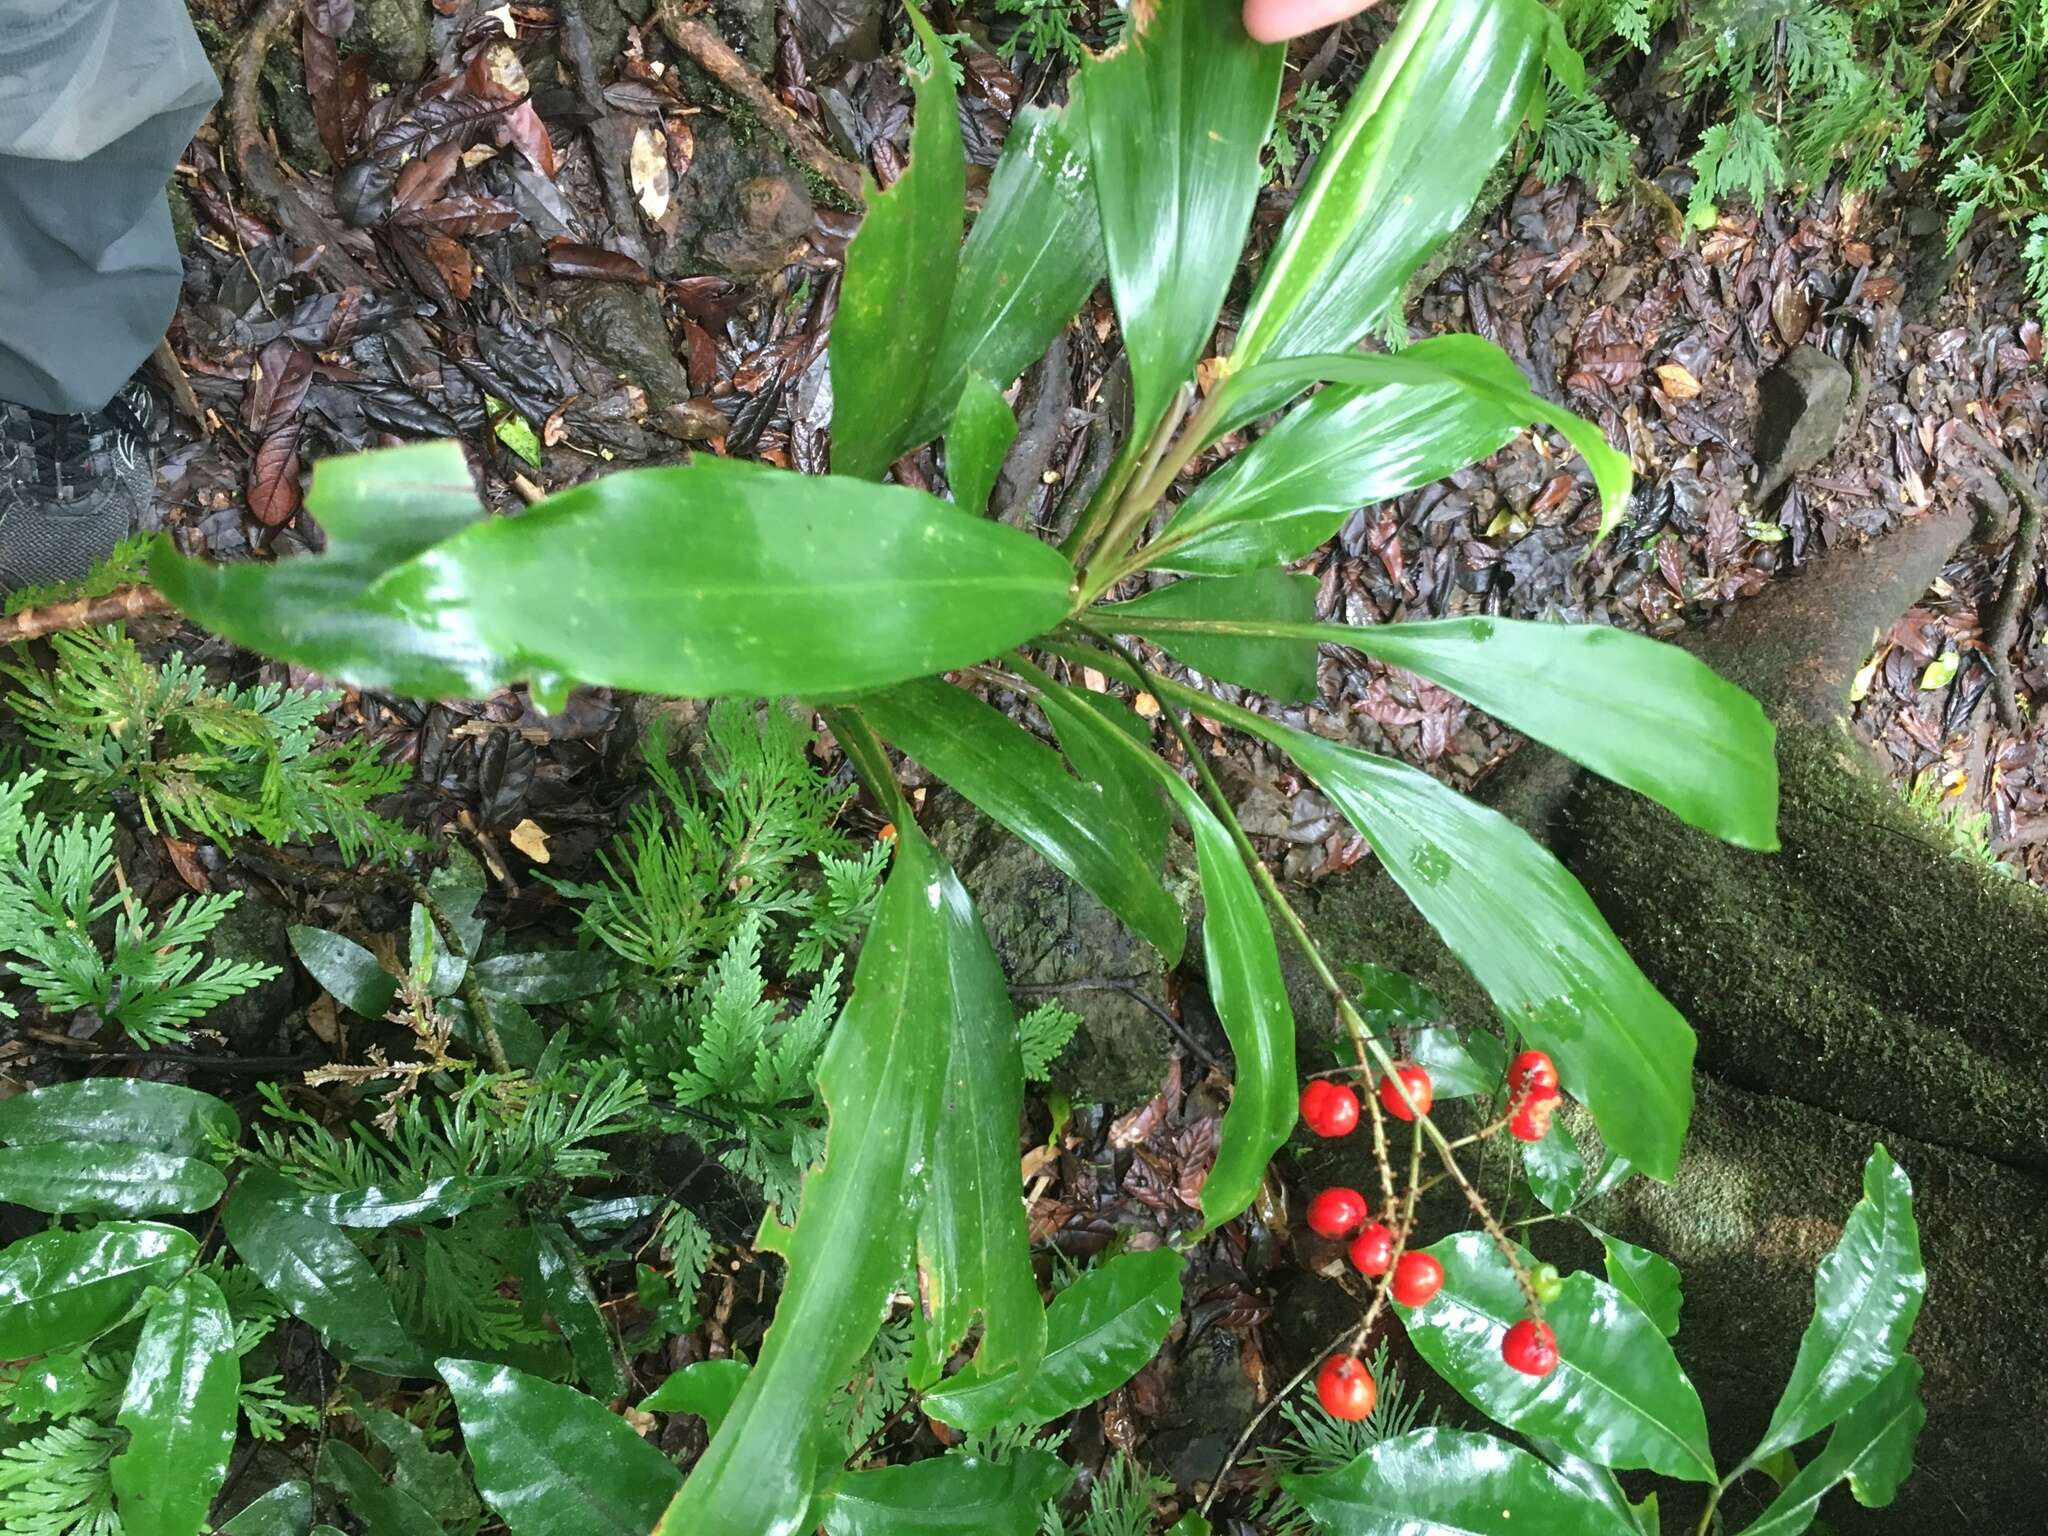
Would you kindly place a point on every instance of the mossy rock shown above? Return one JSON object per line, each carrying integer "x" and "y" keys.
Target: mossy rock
{"x": 397, "y": 35}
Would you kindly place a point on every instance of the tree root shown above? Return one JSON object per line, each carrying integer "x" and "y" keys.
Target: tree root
{"x": 84, "y": 612}
{"x": 2002, "y": 620}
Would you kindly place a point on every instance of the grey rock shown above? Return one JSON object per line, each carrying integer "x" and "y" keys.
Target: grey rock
{"x": 255, "y": 933}
{"x": 833, "y": 32}
{"x": 740, "y": 210}
{"x": 1801, "y": 406}
{"x": 397, "y": 36}
{"x": 621, "y": 325}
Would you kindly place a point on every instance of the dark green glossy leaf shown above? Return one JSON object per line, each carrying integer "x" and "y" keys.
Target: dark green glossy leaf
{"x": 120, "y": 1111}
{"x": 1099, "y": 1333}
{"x": 1021, "y": 783}
{"x": 720, "y": 577}
{"x": 552, "y": 1461}
{"x": 1459, "y": 1069}
{"x": 1554, "y": 1168}
{"x": 565, "y": 1294}
{"x": 88, "y": 1180}
{"x": 318, "y": 1275}
{"x": 1131, "y": 790}
{"x": 1280, "y": 669}
{"x": 983, "y": 429}
{"x": 900, "y": 270}
{"x": 1346, "y": 447}
{"x": 62, "y": 1288}
{"x": 349, "y": 972}
{"x": 438, "y": 1481}
{"x": 706, "y": 1389}
{"x": 1389, "y": 998}
{"x": 286, "y": 1510}
{"x": 1872, "y": 1447}
{"x": 1523, "y": 926}
{"x": 1617, "y": 1396}
{"x": 1595, "y": 1482}
{"x": 1448, "y": 1482}
{"x": 1444, "y": 98}
{"x": 882, "y": 1082}
{"x": 946, "y": 1494}
{"x": 386, "y": 1205}
{"x": 1177, "y": 115}
{"x": 376, "y": 1506}
{"x": 1191, "y": 1524}
{"x": 1866, "y": 1297}
{"x": 1032, "y": 259}
{"x": 179, "y": 1411}
{"x": 548, "y": 976}
{"x": 1648, "y": 1279}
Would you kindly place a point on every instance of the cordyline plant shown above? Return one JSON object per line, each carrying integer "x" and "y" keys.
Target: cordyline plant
{"x": 728, "y": 578}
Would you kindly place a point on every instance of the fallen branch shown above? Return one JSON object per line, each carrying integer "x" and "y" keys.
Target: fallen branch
{"x": 2002, "y": 623}
{"x": 83, "y": 613}
{"x": 708, "y": 50}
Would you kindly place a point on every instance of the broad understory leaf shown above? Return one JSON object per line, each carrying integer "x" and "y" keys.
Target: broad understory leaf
{"x": 552, "y": 1461}
{"x": 1866, "y": 1298}
{"x": 1458, "y": 1069}
{"x": 1596, "y": 1482}
{"x": 63, "y": 1288}
{"x": 1099, "y": 1333}
{"x": 1282, "y": 668}
{"x": 983, "y": 429}
{"x": 1132, "y": 794}
{"x": 1554, "y": 1168}
{"x": 1525, "y": 929}
{"x": 1872, "y": 1447}
{"x": 1177, "y": 115}
{"x": 882, "y": 1082}
{"x": 373, "y": 1504}
{"x": 1032, "y": 258}
{"x": 1449, "y": 1482}
{"x": 88, "y": 1180}
{"x": 318, "y": 1275}
{"x": 900, "y": 271}
{"x": 1444, "y": 98}
{"x": 286, "y": 1510}
{"x": 706, "y": 1388}
{"x": 548, "y": 976}
{"x": 179, "y": 1410}
{"x": 382, "y": 1205}
{"x": 120, "y": 1111}
{"x": 1023, "y": 785}
{"x": 719, "y": 577}
{"x": 1648, "y": 1279}
{"x": 564, "y": 1293}
{"x": 349, "y": 972}
{"x": 1617, "y": 1396}
{"x": 944, "y": 1495}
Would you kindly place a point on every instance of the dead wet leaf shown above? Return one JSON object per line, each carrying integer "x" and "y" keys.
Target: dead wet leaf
{"x": 530, "y": 839}
{"x": 323, "y": 1021}
{"x": 184, "y": 858}
{"x": 1677, "y": 381}
{"x": 1793, "y": 309}
{"x": 648, "y": 166}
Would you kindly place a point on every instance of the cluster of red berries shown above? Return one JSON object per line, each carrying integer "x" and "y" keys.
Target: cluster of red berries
{"x": 1343, "y": 1385}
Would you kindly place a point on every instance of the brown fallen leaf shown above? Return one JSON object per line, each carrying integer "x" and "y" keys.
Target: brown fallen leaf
{"x": 648, "y": 167}
{"x": 1677, "y": 381}
{"x": 529, "y": 838}
{"x": 323, "y": 1020}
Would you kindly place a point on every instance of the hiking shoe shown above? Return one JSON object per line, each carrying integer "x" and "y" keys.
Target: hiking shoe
{"x": 71, "y": 487}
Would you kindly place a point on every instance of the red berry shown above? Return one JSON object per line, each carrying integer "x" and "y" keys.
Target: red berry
{"x": 1329, "y": 1109}
{"x": 1531, "y": 1122}
{"x": 1335, "y": 1212}
{"x": 1345, "y": 1388}
{"x": 1372, "y": 1251}
{"x": 1530, "y": 1347}
{"x": 1419, "y": 1089}
{"x": 1531, "y": 1069}
{"x": 1417, "y": 1278}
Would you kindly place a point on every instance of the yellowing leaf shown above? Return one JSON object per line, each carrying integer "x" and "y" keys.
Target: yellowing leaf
{"x": 529, "y": 838}
{"x": 648, "y": 166}
{"x": 1942, "y": 670}
{"x": 1677, "y": 380}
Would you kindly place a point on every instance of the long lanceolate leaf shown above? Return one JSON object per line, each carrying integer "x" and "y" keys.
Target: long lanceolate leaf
{"x": 1522, "y": 925}
{"x": 1176, "y": 118}
{"x": 722, "y": 577}
{"x": 179, "y": 1411}
{"x": 900, "y": 271}
{"x": 1872, "y": 1448}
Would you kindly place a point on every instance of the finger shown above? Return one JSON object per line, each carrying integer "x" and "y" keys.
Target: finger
{"x": 1274, "y": 21}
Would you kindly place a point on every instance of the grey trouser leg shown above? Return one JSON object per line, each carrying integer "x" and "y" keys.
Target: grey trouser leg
{"x": 98, "y": 98}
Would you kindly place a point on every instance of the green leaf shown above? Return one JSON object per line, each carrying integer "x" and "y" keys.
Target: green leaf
{"x": 1345, "y": 447}
{"x": 1444, "y": 98}
{"x": 1386, "y": 997}
{"x": 1284, "y": 670}
{"x": 1458, "y": 1069}
{"x": 286, "y": 1510}
{"x": 881, "y": 1080}
{"x": 1449, "y": 1482}
{"x": 1554, "y": 1168}
{"x": 438, "y": 1481}
{"x": 1872, "y": 1447}
{"x": 1523, "y": 926}
{"x": 1032, "y": 259}
{"x": 1099, "y": 1333}
{"x": 786, "y": 584}
{"x": 376, "y": 1506}
{"x": 1177, "y": 116}
{"x": 349, "y": 972}
{"x": 1022, "y": 784}
{"x": 565, "y": 1294}
{"x": 318, "y": 1275}
{"x": 383, "y": 1205}
{"x": 1648, "y": 1279}
{"x": 120, "y": 1111}
{"x": 1866, "y": 1297}
{"x": 946, "y": 1494}
{"x": 706, "y": 1389}
{"x": 1617, "y": 1397}
{"x": 62, "y": 1288}
{"x": 179, "y": 1411}
{"x": 87, "y": 1180}
{"x": 900, "y": 271}
{"x": 512, "y": 430}
{"x": 983, "y": 429}
{"x": 1596, "y": 1482}
{"x": 548, "y": 976}
{"x": 1191, "y": 1524}
{"x": 1131, "y": 791}
{"x": 552, "y": 1461}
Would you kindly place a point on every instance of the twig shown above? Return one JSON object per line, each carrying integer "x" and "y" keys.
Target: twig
{"x": 172, "y": 372}
{"x": 2002, "y": 624}
{"x": 83, "y": 613}
{"x": 709, "y": 51}
{"x": 196, "y": 1061}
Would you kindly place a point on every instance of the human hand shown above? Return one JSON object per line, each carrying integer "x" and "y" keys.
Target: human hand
{"x": 1275, "y": 21}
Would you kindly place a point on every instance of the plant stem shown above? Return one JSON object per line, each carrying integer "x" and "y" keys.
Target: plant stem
{"x": 472, "y": 993}
{"x": 1138, "y": 504}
